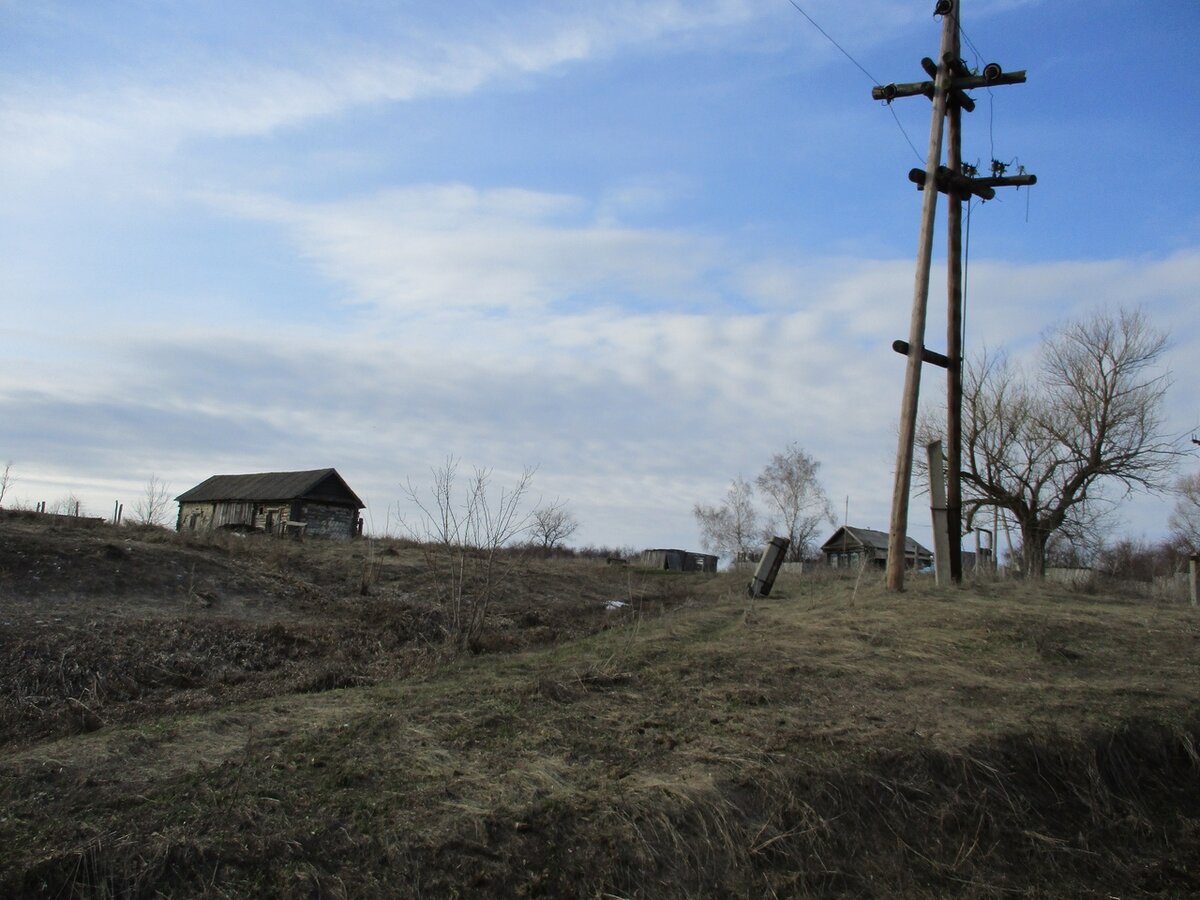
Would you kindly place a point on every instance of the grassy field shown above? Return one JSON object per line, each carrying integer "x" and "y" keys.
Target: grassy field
{"x": 237, "y": 718}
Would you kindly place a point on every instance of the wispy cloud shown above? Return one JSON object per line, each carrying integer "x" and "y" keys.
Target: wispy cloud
{"x": 435, "y": 248}
{"x": 47, "y": 125}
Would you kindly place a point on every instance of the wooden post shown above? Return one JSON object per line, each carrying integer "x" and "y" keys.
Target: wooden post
{"x": 916, "y": 333}
{"x": 1194, "y": 577}
{"x": 937, "y": 508}
{"x": 954, "y": 329}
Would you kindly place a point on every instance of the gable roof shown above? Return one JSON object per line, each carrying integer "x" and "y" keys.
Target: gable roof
{"x": 314, "y": 484}
{"x": 878, "y": 540}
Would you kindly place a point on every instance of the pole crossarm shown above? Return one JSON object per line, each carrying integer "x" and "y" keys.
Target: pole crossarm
{"x": 951, "y": 182}
{"x": 956, "y": 97}
{"x": 1007, "y": 181}
{"x": 890, "y": 92}
{"x": 962, "y": 187}
{"x": 930, "y": 356}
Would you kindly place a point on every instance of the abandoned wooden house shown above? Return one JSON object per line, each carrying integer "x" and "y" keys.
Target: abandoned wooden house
{"x": 316, "y": 503}
{"x": 678, "y": 561}
{"x": 850, "y": 548}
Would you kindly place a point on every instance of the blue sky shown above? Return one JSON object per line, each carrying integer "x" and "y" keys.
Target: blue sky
{"x": 641, "y": 245}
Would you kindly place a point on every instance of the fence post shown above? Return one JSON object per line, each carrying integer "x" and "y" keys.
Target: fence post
{"x": 1194, "y": 575}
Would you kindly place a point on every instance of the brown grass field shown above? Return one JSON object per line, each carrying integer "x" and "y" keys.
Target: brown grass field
{"x": 236, "y": 717}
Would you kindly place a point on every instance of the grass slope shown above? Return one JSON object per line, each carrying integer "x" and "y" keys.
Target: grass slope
{"x": 832, "y": 741}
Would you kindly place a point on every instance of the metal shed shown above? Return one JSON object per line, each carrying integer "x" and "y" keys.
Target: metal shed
{"x": 678, "y": 561}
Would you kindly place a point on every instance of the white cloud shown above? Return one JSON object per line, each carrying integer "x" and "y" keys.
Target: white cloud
{"x": 48, "y": 125}
{"x": 438, "y": 248}
{"x": 632, "y": 415}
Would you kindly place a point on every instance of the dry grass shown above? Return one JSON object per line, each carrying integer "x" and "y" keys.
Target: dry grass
{"x": 106, "y": 625}
{"x": 833, "y": 741}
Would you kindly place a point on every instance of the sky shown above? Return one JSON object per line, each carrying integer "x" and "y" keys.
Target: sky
{"x": 640, "y": 245}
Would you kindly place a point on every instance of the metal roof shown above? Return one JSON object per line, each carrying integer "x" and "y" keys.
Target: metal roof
{"x": 316, "y": 484}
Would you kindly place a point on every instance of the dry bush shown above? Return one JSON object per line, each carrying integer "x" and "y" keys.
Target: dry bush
{"x": 466, "y": 535}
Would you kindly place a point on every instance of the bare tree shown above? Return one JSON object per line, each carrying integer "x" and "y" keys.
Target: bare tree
{"x": 798, "y": 502}
{"x": 730, "y": 528}
{"x": 6, "y": 481}
{"x": 70, "y": 505}
{"x": 552, "y": 525}
{"x": 463, "y": 532}
{"x": 1046, "y": 447}
{"x": 151, "y": 508}
{"x": 1185, "y": 517}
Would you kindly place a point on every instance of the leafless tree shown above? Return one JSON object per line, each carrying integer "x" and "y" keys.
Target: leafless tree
{"x": 1185, "y": 517}
{"x": 552, "y": 525}
{"x": 6, "y": 481}
{"x": 730, "y": 528}
{"x": 463, "y": 531}
{"x": 798, "y": 502}
{"x": 1047, "y": 447}
{"x": 152, "y": 507}
{"x": 1137, "y": 559}
{"x": 70, "y": 505}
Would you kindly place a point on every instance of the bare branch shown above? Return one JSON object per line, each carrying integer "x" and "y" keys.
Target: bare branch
{"x": 6, "y": 481}
{"x": 1049, "y": 448}
{"x": 552, "y": 525}
{"x": 152, "y": 507}
{"x": 463, "y": 532}
{"x": 798, "y": 502}
{"x": 730, "y": 529}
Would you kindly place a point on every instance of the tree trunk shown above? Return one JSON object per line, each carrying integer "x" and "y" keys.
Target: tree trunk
{"x": 1033, "y": 550}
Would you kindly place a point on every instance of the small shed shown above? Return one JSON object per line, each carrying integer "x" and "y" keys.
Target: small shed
{"x": 850, "y": 548}
{"x": 317, "y": 502}
{"x": 678, "y": 561}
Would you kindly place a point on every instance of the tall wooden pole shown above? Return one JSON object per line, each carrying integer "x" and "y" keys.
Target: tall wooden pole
{"x": 916, "y": 333}
{"x": 954, "y": 329}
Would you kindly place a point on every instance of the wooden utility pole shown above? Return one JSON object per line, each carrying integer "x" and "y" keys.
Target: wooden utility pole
{"x": 954, "y": 338}
{"x": 947, "y": 90}
{"x": 898, "y": 531}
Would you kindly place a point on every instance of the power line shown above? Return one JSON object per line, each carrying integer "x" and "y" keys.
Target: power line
{"x": 970, "y": 43}
{"x": 966, "y": 274}
{"x": 845, "y": 53}
{"x": 916, "y": 152}
{"x": 862, "y": 69}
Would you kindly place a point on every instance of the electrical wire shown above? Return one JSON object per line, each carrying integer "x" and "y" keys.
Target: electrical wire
{"x": 862, "y": 69}
{"x": 992, "y": 121}
{"x": 916, "y": 152}
{"x": 845, "y": 53}
{"x": 970, "y": 43}
{"x": 962, "y": 338}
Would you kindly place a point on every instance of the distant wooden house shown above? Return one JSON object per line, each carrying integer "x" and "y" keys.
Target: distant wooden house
{"x": 678, "y": 561}
{"x": 316, "y": 503}
{"x": 850, "y": 548}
